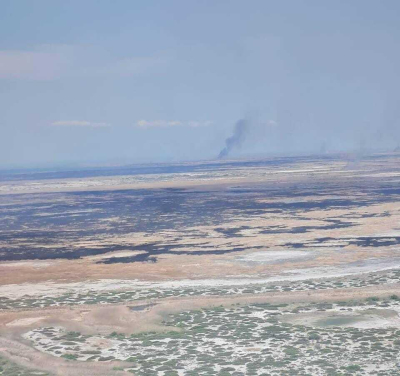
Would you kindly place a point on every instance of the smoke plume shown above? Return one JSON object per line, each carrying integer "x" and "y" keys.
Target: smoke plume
{"x": 236, "y": 140}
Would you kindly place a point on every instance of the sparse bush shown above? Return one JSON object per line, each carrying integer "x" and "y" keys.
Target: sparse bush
{"x": 69, "y": 356}
{"x": 313, "y": 336}
{"x": 353, "y": 368}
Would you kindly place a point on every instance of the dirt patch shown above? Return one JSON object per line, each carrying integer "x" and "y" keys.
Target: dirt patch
{"x": 369, "y": 318}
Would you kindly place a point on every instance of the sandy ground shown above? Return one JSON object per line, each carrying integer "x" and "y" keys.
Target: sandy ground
{"x": 339, "y": 169}
{"x": 361, "y": 319}
{"x": 262, "y": 249}
{"x": 265, "y": 259}
{"x": 119, "y": 318}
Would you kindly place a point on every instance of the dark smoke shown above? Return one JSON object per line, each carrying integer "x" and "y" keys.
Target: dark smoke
{"x": 236, "y": 140}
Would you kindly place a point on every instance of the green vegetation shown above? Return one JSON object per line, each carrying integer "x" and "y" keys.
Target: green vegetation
{"x": 70, "y": 356}
{"x": 8, "y": 368}
{"x": 110, "y": 297}
{"x": 243, "y": 340}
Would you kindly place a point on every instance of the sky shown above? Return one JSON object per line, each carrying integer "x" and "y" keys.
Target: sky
{"x": 166, "y": 81}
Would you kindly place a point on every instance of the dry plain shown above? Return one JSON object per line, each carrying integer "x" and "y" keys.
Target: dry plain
{"x": 285, "y": 266}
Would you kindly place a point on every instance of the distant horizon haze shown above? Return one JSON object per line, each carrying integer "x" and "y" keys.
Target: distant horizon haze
{"x": 163, "y": 82}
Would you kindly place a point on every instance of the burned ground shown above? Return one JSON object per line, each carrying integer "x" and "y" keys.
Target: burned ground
{"x": 50, "y": 225}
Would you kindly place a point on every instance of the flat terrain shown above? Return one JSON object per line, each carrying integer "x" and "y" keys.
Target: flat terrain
{"x": 271, "y": 267}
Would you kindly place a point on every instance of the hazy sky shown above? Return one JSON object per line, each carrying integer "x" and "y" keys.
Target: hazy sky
{"x": 148, "y": 81}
